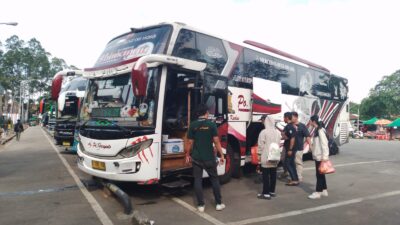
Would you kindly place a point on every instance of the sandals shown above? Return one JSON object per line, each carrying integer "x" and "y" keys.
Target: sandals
{"x": 292, "y": 184}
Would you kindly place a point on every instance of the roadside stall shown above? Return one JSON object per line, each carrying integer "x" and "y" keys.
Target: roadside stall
{"x": 394, "y": 128}
{"x": 369, "y": 128}
{"x": 381, "y": 132}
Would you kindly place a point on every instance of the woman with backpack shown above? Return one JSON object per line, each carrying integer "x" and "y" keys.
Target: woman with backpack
{"x": 269, "y": 155}
{"x": 320, "y": 152}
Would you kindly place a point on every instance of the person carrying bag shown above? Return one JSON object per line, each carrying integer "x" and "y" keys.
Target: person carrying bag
{"x": 320, "y": 152}
{"x": 269, "y": 154}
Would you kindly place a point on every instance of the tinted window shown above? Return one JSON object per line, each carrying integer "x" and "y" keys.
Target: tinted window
{"x": 288, "y": 77}
{"x": 185, "y": 46}
{"x": 215, "y": 88}
{"x": 238, "y": 76}
{"x": 134, "y": 44}
{"x": 321, "y": 85}
{"x": 256, "y": 65}
{"x": 213, "y": 52}
{"x": 203, "y": 48}
{"x": 270, "y": 68}
{"x": 305, "y": 77}
{"x": 338, "y": 88}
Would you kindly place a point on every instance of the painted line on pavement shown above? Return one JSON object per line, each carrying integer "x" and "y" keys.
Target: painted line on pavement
{"x": 104, "y": 219}
{"x": 313, "y": 209}
{"x": 295, "y": 212}
{"x": 40, "y": 191}
{"x": 354, "y": 164}
{"x": 195, "y": 211}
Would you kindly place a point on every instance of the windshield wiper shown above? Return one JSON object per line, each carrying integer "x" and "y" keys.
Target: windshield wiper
{"x": 109, "y": 121}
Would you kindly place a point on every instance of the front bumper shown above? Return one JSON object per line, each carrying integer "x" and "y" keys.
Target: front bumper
{"x": 116, "y": 169}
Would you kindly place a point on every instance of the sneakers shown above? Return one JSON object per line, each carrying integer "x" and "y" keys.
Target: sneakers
{"x": 272, "y": 194}
{"x": 315, "y": 195}
{"x": 264, "y": 196}
{"x": 220, "y": 207}
{"x": 324, "y": 193}
{"x": 201, "y": 208}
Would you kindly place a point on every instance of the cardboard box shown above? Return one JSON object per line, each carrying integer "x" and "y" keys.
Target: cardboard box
{"x": 173, "y": 146}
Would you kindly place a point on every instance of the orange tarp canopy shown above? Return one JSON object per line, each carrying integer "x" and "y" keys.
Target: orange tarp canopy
{"x": 383, "y": 122}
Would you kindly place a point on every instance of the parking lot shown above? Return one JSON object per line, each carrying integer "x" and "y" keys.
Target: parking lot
{"x": 40, "y": 184}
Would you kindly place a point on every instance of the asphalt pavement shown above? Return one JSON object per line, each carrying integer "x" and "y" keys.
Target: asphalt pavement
{"x": 364, "y": 190}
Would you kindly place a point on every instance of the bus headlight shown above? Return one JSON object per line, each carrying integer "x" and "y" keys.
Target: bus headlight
{"x": 133, "y": 150}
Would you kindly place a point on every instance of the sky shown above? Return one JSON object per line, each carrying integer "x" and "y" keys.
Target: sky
{"x": 356, "y": 39}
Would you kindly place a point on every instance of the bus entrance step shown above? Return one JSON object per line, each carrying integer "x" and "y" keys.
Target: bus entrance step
{"x": 176, "y": 184}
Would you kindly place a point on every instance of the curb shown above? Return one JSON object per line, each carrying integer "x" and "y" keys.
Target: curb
{"x": 3, "y": 142}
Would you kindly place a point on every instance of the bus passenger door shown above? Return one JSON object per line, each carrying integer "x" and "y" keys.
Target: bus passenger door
{"x": 182, "y": 94}
{"x": 215, "y": 94}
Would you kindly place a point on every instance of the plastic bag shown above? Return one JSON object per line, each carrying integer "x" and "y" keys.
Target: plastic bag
{"x": 274, "y": 152}
{"x": 326, "y": 167}
{"x": 254, "y": 155}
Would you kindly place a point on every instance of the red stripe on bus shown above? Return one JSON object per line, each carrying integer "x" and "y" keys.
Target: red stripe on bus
{"x": 266, "y": 109}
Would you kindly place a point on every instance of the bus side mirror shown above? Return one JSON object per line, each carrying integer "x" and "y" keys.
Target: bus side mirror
{"x": 56, "y": 86}
{"x": 139, "y": 80}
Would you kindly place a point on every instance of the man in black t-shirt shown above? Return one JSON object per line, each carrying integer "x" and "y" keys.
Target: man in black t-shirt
{"x": 199, "y": 150}
{"x": 302, "y": 133}
{"x": 289, "y": 135}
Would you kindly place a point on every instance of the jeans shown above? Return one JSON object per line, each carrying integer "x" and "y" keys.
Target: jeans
{"x": 269, "y": 180}
{"x": 321, "y": 180}
{"x": 211, "y": 168}
{"x": 291, "y": 166}
{"x": 299, "y": 164}
{"x": 18, "y": 134}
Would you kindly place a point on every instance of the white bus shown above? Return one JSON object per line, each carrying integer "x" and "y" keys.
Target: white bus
{"x": 145, "y": 85}
{"x": 68, "y": 88}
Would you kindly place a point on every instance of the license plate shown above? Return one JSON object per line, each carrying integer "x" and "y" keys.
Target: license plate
{"x": 98, "y": 165}
{"x": 66, "y": 143}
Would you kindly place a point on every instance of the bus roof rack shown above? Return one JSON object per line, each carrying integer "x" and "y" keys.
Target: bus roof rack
{"x": 285, "y": 54}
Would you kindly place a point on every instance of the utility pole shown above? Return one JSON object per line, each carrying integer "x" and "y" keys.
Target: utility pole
{"x": 358, "y": 118}
{"x": 21, "y": 107}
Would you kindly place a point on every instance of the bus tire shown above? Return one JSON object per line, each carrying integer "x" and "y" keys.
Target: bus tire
{"x": 236, "y": 168}
{"x": 223, "y": 179}
{"x": 333, "y": 147}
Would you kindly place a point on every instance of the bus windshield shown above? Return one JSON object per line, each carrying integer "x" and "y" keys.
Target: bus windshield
{"x": 71, "y": 98}
{"x": 112, "y": 99}
{"x": 135, "y": 44}
{"x": 70, "y": 109}
{"x": 77, "y": 84}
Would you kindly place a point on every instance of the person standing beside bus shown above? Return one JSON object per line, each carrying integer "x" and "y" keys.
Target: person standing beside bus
{"x": 200, "y": 151}
{"x": 289, "y": 135}
{"x": 320, "y": 152}
{"x": 301, "y": 134}
{"x": 267, "y": 140}
{"x": 18, "y": 128}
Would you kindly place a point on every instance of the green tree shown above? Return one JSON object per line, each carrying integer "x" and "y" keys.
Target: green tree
{"x": 384, "y": 99}
{"x": 20, "y": 60}
{"x": 354, "y": 107}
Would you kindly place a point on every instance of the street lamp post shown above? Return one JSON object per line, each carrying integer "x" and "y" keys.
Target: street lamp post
{"x": 10, "y": 23}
